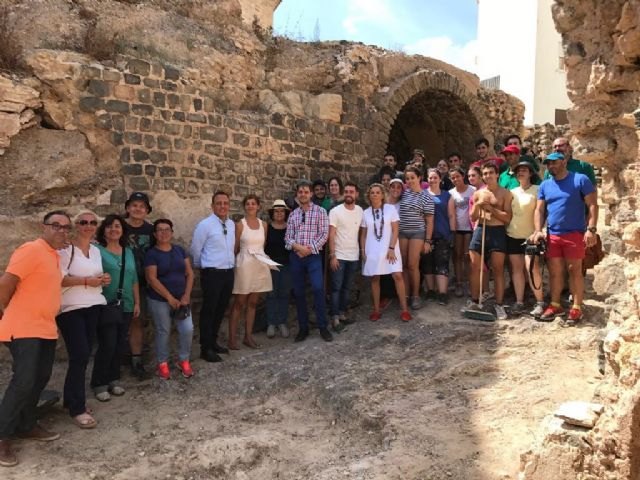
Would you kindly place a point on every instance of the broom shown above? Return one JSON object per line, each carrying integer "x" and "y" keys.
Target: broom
{"x": 480, "y": 314}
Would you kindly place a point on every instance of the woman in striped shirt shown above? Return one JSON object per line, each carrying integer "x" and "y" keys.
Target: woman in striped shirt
{"x": 416, "y": 230}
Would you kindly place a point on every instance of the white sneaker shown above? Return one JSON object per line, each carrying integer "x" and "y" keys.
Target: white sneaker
{"x": 103, "y": 396}
{"x": 284, "y": 331}
{"x": 470, "y": 305}
{"x": 500, "y": 312}
{"x": 538, "y": 310}
{"x": 271, "y": 331}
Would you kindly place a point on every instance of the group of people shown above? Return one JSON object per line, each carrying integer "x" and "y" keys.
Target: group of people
{"x": 98, "y": 286}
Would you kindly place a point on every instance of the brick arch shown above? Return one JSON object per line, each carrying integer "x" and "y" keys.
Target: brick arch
{"x": 404, "y": 90}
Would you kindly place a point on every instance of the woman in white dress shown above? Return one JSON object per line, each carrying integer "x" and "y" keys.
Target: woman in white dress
{"x": 380, "y": 249}
{"x": 252, "y": 277}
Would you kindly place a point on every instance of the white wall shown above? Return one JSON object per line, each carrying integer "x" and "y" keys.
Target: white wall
{"x": 550, "y": 80}
{"x": 508, "y": 33}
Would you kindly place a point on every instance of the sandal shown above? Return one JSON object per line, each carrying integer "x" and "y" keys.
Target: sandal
{"x": 85, "y": 421}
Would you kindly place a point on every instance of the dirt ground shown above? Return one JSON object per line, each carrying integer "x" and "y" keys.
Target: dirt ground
{"x": 441, "y": 397}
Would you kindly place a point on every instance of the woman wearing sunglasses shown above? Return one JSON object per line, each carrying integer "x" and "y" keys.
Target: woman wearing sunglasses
{"x": 82, "y": 283}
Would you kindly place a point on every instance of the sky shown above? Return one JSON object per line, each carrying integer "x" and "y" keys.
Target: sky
{"x": 443, "y": 29}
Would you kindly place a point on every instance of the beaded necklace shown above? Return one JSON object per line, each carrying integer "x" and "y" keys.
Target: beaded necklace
{"x": 378, "y": 213}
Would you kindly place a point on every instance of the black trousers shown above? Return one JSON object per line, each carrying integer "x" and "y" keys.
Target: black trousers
{"x": 78, "y": 328}
{"x": 32, "y": 365}
{"x": 112, "y": 344}
{"x": 217, "y": 286}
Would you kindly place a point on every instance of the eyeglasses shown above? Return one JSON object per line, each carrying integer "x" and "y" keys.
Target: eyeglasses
{"x": 165, "y": 230}
{"x": 304, "y": 216}
{"x": 59, "y": 228}
{"x": 84, "y": 223}
{"x": 560, "y": 145}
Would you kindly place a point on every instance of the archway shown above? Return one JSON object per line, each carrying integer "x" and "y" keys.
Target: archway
{"x": 433, "y": 111}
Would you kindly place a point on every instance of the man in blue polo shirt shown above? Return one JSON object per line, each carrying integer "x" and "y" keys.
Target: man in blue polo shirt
{"x": 561, "y": 200}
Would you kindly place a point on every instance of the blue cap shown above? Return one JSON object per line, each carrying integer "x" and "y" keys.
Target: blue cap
{"x": 553, "y": 156}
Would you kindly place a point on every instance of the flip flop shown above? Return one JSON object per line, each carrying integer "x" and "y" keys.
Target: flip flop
{"x": 85, "y": 421}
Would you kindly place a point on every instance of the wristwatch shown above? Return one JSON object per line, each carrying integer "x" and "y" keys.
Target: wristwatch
{"x": 592, "y": 229}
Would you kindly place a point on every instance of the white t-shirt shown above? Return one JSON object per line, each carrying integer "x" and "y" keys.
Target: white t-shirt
{"x": 461, "y": 201}
{"x": 76, "y": 297}
{"x": 347, "y": 223}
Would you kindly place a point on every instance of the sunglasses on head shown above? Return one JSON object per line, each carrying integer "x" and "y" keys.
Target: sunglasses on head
{"x": 84, "y": 223}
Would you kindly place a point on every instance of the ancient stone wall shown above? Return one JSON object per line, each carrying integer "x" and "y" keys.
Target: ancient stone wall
{"x": 602, "y": 56}
{"x": 206, "y": 99}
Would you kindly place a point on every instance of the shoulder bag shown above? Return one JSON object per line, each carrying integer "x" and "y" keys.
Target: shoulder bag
{"x": 112, "y": 313}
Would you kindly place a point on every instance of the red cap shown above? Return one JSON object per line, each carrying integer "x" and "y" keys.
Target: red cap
{"x": 511, "y": 149}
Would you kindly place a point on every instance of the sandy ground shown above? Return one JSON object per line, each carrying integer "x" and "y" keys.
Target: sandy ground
{"x": 441, "y": 397}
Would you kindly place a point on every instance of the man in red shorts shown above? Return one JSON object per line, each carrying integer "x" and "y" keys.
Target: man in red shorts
{"x": 562, "y": 199}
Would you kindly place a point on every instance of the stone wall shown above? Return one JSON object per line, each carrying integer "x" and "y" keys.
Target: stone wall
{"x": 602, "y": 56}
{"x": 204, "y": 100}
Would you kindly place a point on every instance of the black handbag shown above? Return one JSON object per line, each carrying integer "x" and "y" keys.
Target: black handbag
{"x": 112, "y": 313}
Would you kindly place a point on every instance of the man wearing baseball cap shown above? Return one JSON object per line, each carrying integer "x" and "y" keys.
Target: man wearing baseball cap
{"x": 139, "y": 232}
{"x": 561, "y": 200}
{"x": 508, "y": 178}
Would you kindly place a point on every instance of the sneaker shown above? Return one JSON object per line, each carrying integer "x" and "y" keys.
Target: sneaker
{"x": 335, "y": 320}
{"x": 501, "y": 314}
{"x": 185, "y": 367}
{"x": 430, "y": 294}
{"x": 416, "y": 303}
{"x": 442, "y": 298}
{"x": 470, "y": 305}
{"x": 163, "y": 371}
{"x": 517, "y": 308}
{"x": 374, "y": 316}
{"x": 103, "y": 396}
{"x": 537, "y": 311}
{"x": 271, "y": 331}
{"x": 116, "y": 390}
{"x": 551, "y": 312}
{"x": 458, "y": 292}
{"x": 405, "y": 316}
{"x": 575, "y": 315}
{"x": 487, "y": 296}
{"x": 284, "y": 331}
{"x": 326, "y": 335}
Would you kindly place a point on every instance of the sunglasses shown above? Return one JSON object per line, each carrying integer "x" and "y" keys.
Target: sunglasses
{"x": 224, "y": 227}
{"x": 304, "y": 216}
{"x": 59, "y": 228}
{"x": 84, "y": 223}
{"x": 377, "y": 214}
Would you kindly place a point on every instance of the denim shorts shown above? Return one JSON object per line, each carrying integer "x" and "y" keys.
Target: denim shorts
{"x": 495, "y": 239}
{"x": 413, "y": 234}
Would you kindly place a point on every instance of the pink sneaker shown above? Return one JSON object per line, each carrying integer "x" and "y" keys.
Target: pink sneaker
{"x": 185, "y": 367}
{"x": 163, "y": 371}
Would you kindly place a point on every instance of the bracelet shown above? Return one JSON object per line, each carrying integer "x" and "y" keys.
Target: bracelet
{"x": 391, "y": 248}
{"x": 85, "y": 282}
{"x": 427, "y": 240}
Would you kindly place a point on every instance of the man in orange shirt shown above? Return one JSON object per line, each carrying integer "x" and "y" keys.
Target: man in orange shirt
{"x": 30, "y": 292}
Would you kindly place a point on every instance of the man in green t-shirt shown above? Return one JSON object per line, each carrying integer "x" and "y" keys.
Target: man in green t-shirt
{"x": 561, "y": 145}
{"x": 508, "y": 178}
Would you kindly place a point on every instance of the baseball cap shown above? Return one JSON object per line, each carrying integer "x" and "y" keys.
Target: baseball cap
{"x": 511, "y": 149}
{"x": 138, "y": 196}
{"x": 553, "y": 156}
{"x": 418, "y": 151}
{"x": 524, "y": 164}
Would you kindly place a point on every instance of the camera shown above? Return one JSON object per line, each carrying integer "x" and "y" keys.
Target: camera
{"x": 535, "y": 249}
